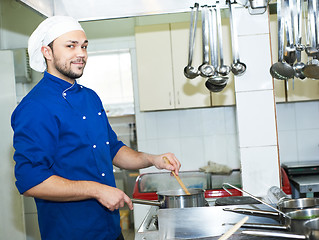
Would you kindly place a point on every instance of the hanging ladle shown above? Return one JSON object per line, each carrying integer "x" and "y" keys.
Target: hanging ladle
{"x": 311, "y": 48}
{"x": 290, "y": 52}
{"x": 281, "y": 70}
{"x": 189, "y": 71}
{"x": 238, "y": 68}
{"x": 215, "y": 83}
{"x": 221, "y": 69}
{"x": 299, "y": 66}
{"x": 206, "y": 70}
{"x": 311, "y": 70}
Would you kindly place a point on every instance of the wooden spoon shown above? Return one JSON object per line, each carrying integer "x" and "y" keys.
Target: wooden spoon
{"x": 178, "y": 178}
{"x": 233, "y": 229}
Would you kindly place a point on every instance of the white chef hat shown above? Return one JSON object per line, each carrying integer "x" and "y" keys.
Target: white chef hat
{"x": 50, "y": 29}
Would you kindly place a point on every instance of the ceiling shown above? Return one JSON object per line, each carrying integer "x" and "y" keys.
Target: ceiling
{"x": 87, "y": 10}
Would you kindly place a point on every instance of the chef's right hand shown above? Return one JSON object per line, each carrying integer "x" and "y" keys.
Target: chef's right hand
{"x": 113, "y": 198}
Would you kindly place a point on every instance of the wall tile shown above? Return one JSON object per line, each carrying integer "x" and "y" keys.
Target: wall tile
{"x": 256, "y": 120}
{"x": 213, "y": 121}
{"x": 288, "y": 149}
{"x": 172, "y": 145}
{"x": 255, "y": 53}
{"x": 151, "y": 125}
{"x": 230, "y": 120}
{"x": 192, "y": 153}
{"x": 215, "y": 149}
{"x": 308, "y": 144}
{"x": 167, "y": 124}
{"x": 232, "y": 151}
{"x": 148, "y": 146}
{"x": 260, "y": 170}
{"x": 244, "y": 22}
{"x": 286, "y": 116}
{"x": 190, "y": 123}
{"x": 140, "y": 126}
{"x": 307, "y": 115}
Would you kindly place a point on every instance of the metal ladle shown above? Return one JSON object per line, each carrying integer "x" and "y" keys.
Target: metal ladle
{"x": 189, "y": 71}
{"x": 299, "y": 66}
{"x": 215, "y": 83}
{"x": 206, "y": 70}
{"x": 311, "y": 70}
{"x": 290, "y": 53}
{"x": 238, "y": 68}
{"x": 221, "y": 68}
{"x": 281, "y": 70}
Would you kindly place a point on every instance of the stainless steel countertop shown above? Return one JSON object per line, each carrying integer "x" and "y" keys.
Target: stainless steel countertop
{"x": 306, "y": 184}
{"x": 203, "y": 222}
{"x": 199, "y": 223}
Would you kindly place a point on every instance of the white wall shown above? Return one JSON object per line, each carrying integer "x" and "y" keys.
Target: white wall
{"x": 11, "y": 205}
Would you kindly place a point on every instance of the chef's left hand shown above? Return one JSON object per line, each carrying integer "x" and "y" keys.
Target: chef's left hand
{"x": 160, "y": 163}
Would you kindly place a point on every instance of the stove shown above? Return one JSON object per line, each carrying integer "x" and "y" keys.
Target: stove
{"x": 196, "y": 223}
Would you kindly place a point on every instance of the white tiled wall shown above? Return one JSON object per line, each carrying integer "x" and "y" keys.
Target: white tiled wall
{"x": 298, "y": 128}
{"x": 196, "y": 136}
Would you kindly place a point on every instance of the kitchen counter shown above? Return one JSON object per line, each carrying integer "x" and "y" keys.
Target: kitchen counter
{"x": 199, "y": 223}
{"x": 305, "y": 184}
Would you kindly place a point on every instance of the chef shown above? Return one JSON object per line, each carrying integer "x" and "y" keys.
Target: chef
{"x": 65, "y": 148}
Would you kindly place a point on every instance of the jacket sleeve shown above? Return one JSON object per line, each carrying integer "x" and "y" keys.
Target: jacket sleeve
{"x": 35, "y": 138}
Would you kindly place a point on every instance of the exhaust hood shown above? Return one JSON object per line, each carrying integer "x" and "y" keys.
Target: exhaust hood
{"x": 88, "y": 10}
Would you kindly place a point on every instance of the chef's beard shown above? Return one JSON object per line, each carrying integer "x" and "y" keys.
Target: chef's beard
{"x": 67, "y": 71}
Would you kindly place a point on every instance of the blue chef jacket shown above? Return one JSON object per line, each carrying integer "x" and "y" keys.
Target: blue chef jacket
{"x": 62, "y": 129}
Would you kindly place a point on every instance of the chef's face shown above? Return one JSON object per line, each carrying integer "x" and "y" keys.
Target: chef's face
{"x": 69, "y": 55}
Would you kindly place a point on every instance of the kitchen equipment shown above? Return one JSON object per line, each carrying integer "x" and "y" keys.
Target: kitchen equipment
{"x": 177, "y": 199}
{"x": 311, "y": 232}
{"x": 311, "y": 69}
{"x": 289, "y": 205}
{"x": 215, "y": 83}
{"x": 258, "y": 4}
{"x": 199, "y": 223}
{"x": 190, "y": 71}
{"x": 276, "y": 195}
{"x": 233, "y": 229}
{"x": 293, "y": 221}
{"x": 177, "y": 178}
{"x": 303, "y": 178}
{"x": 222, "y": 69}
{"x": 206, "y": 70}
{"x": 235, "y": 200}
{"x": 281, "y": 70}
{"x": 238, "y": 68}
{"x": 299, "y": 66}
{"x": 290, "y": 50}
{"x": 258, "y": 199}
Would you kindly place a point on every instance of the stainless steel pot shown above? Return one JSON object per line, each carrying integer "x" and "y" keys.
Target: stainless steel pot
{"x": 177, "y": 199}
{"x": 297, "y": 204}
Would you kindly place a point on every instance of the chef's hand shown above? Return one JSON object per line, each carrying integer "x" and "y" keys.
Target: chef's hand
{"x": 173, "y": 165}
{"x": 113, "y": 198}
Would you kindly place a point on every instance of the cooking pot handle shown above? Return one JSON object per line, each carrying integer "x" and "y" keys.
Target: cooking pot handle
{"x": 253, "y": 212}
{"x": 147, "y": 202}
